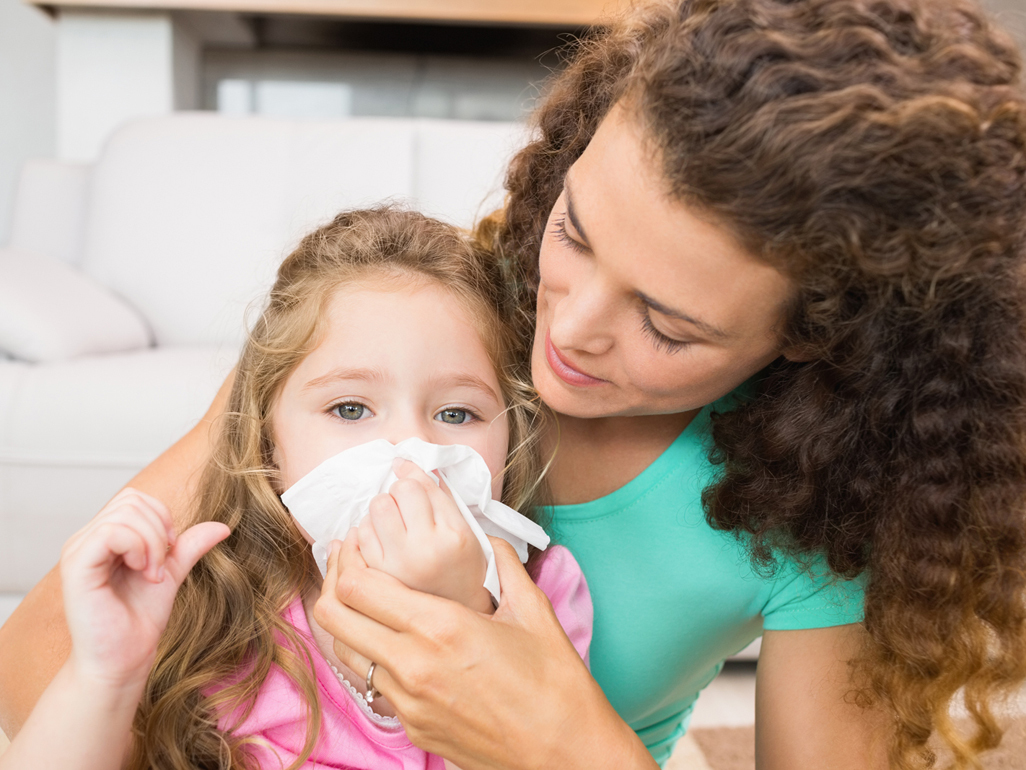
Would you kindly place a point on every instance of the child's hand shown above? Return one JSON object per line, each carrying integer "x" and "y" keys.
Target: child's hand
{"x": 417, "y": 534}
{"x": 120, "y": 575}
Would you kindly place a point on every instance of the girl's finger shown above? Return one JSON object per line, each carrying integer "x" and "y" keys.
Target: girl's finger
{"x": 137, "y": 515}
{"x": 414, "y": 506}
{"x": 446, "y": 511}
{"x": 192, "y": 545}
{"x": 91, "y": 565}
{"x": 389, "y": 522}
{"x": 157, "y": 506}
{"x": 369, "y": 543}
{"x": 443, "y": 507}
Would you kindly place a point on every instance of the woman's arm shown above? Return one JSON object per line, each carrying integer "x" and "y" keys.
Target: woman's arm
{"x": 806, "y": 715}
{"x": 506, "y": 691}
{"x": 34, "y": 642}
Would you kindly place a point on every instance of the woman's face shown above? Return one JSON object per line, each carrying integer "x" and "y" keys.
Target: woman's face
{"x": 644, "y": 305}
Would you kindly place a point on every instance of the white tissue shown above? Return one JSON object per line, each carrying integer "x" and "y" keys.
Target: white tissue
{"x": 336, "y": 495}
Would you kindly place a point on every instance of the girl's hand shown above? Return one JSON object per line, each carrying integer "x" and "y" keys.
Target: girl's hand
{"x": 416, "y": 534}
{"x": 119, "y": 576}
{"x": 507, "y": 691}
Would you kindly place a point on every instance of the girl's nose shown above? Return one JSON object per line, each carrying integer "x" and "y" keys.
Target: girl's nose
{"x": 409, "y": 425}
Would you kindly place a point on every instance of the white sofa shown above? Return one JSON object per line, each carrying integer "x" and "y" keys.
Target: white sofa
{"x": 125, "y": 284}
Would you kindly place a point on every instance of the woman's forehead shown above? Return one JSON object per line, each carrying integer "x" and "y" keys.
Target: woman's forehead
{"x": 659, "y": 248}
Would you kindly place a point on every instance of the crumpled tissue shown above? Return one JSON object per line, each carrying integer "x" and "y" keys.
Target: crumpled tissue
{"x": 335, "y": 496}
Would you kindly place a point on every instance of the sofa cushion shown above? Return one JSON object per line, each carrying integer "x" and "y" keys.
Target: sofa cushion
{"x": 189, "y": 216}
{"x": 51, "y": 311}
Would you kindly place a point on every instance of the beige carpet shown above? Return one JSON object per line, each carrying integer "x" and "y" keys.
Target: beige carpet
{"x": 733, "y": 748}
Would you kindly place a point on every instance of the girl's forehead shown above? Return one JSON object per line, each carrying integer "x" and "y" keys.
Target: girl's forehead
{"x": 412, "y": 330}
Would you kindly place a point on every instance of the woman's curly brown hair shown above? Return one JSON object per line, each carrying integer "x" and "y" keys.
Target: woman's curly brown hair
{"x": 875, "y": 152}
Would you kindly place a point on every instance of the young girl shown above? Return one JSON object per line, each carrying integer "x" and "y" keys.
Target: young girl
{"x": 383, "y": 324}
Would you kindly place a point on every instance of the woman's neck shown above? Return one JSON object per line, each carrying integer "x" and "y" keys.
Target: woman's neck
{"x": 596, "y": 456}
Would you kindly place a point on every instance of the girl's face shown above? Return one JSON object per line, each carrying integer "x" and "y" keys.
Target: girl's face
{"x": 644, "y": 306}
{"x": 395, "y": 361}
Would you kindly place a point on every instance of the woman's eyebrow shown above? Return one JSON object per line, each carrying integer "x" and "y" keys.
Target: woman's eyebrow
{"x": 571, "y": 214}
{"x": 709, "y": 329}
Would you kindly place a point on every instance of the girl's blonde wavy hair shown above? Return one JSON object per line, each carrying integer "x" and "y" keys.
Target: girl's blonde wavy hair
{"x": 226, "y": 629}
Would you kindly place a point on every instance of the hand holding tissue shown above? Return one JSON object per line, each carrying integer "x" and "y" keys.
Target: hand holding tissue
{"x": 335, "y": 496}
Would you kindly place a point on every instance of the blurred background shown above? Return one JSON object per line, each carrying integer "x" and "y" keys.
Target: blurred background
{"x": 70, "y": 72}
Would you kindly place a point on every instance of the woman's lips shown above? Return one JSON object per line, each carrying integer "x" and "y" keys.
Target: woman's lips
{"x": 563, "y": 370}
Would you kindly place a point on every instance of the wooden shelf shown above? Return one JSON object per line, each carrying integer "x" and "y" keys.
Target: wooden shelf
{"x": 569, "y": 13}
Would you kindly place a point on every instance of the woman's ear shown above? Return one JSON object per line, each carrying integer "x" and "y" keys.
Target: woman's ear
{"x": 798, "y": 353}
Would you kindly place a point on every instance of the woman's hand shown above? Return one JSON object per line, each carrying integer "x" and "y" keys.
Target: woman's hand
{"x": 506, "y": 691}
{"x": 119, "y": 576}
{"x": 416, "y": 534}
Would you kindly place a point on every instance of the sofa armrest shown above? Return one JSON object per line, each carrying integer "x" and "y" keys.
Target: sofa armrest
{"x": 51, "y": 311}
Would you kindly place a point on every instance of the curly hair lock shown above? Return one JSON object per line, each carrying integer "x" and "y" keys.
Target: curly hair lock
{"x": 875, "y": 152}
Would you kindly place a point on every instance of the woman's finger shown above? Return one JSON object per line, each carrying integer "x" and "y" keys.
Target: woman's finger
{"x": 333, "y": 616}
{"x": 370, "y": 600}
{"x": 349, "y": 555}
{"x": 354, "y": 661}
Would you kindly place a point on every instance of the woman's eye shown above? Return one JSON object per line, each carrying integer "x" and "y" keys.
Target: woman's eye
{"x": 660, "y": 340}
{"x": 561, "y": 234}
{"x": 351, "y": 412}
{"x": 454, "y": 416}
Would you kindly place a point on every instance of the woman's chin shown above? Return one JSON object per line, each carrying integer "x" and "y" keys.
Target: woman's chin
{"x": 565, "y": 399}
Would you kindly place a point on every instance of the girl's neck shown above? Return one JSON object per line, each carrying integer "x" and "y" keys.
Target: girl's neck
{"x": 596, "y": 456}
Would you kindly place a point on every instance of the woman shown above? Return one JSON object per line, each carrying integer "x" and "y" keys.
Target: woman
{"x": 820, "y": 208}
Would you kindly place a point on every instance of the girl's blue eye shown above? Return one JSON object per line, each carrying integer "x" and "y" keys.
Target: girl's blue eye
{"x": 351, "y": 412}
{"x": 453, "y": 416}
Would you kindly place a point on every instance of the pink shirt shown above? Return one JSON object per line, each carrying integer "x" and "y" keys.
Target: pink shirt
{"x": 354, "y": 738}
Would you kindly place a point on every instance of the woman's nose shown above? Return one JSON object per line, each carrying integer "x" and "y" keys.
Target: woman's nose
{"x": 582, "y": 319}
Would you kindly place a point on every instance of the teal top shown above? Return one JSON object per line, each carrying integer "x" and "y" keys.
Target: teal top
{"x": 673, "y": 597}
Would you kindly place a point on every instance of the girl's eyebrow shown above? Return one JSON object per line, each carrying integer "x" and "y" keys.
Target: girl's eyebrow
{"x": 467, "y": 380}
{"x": 571, "y": 213}
{"x": 454, "y": 380}
{"x": 344, "y": 373}
{"x": 662, "y": 309}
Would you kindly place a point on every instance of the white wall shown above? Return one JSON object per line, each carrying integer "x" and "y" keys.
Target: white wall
{"x": 27, "y": 95}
